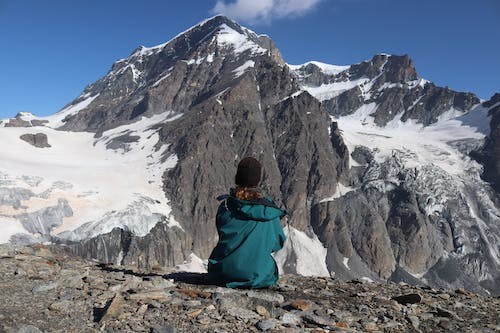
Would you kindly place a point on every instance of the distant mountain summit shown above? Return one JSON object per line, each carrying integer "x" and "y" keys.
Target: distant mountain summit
{"x": 389, "y": 81}
{"x": 371, "y": 161}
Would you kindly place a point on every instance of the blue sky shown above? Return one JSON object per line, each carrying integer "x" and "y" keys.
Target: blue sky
{"x": 52, "y": 49}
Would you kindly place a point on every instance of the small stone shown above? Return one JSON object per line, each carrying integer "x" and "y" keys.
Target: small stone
{"x": 125, "y": 316}
{"x": 44, "y": 288}
{"x": 445, "y": 324}
{"x": 192, "y": 303}
{"x": 195, "y": 313}
{"x": 426, "y": 316}
{"x": 408, "y": 299}
{"x": 267, "y": 296}
{"x": 28, "y": 329}
{"x": 19, "y": 271}
{"x": 414, "y": 321}
{"x": 149, "y": 295}
{"x": 286, "y": 287}
{"x": 370, "y": 327}
{"x": 262, "y": 311}
{"x": 204, "y": 320}
{"x": 302, "y": 305}
{"x": 341, "y": 324}
{"x": 193, "y": 293}
{"x": 95, "y": 282}
{"x": 265, "y": 325}
{"x": 290, "y": 319}
{"x": 142, "y": 309}
{"x": 321, "y": 321}
{"x": 163, "y": 329}
{"x": 241, "y": 313}
{"x": 211, "y": 307}
{"x": 114, "y": 309}
{"x": 444, "y": 296}
{"x": 162, "y": 283}
{"x": 115, "y": 287}
{"x": 440, "y": 312}
{"x": 462, "y": 291}
{"x": 61, "y": 306}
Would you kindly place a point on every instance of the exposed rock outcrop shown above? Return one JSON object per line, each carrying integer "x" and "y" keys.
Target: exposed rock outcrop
{"x": 38, "y": 140}
{"x": 20, "y": 121}
{"x": 490, "y": 154}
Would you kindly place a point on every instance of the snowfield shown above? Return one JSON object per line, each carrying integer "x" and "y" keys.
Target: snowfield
{"x": 95, "y": 181}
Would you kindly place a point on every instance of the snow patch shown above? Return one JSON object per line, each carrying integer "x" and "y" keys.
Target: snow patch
{"x": 325, "y": 68}
{"x": 161, "y": 79}
{"x": 228, "y": 37}
{"x": 9, "y": 227}
{"x": 340, "y": 191}
{"x": 331, "y": 90}
{"x": 310, "y": 253}
{"x": 100, "y": 184}
{"x": 241, "y": 69}
{"x": 56, "y": 120}
{"x": 194, "y": 265}
{"x": 423, "y": 145}
{"x": 345, "y": 261}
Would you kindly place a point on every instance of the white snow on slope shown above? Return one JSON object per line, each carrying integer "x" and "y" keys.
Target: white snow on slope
{"x": 340, "y": 191}
{"x": 56, "y": 120}
{"x": 194, "y": 264}
{"x": 310, "y": 253}
{"x": 345, "y": 261}
{"x": 325, "y": 68}
{"x": 427, "y": 145}
{"x": 240, "y": 70}
{"x": 99, "y": 180}
{"x": 198, "y": 61}
{"x": 9, "y": 226}
{"x": 228, "y": 37}
{"x": 331, "y": 90}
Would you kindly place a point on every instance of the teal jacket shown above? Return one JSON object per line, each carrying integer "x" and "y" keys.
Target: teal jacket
{"x": 249, "y": 231}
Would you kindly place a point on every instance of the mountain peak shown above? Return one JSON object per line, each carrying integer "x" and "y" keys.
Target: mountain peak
{"x": 396, "y": 68}
{"x": 227, "y": 30}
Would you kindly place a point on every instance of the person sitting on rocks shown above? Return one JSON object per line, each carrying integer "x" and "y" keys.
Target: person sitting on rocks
{"x": 249, "y": 230}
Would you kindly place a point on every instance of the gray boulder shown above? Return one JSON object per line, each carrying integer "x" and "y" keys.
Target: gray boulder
{"x": 38, "y": 140}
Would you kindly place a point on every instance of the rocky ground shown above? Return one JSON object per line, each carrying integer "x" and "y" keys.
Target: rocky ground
{"x": 45, "y": 290}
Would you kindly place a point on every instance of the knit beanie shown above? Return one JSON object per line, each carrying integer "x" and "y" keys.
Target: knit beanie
{"x": 248, "y": 174}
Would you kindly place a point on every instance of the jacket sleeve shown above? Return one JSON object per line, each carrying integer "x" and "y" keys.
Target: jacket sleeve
{"x": 280, "y": 236}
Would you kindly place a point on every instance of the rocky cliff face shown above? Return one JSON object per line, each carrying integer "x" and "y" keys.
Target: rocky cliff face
{"x": 391, "y": 82}
{"x": 490, "y": 154}
{"x": 370, "y": 160}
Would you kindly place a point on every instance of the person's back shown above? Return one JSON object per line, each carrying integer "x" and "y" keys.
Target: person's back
{"x": 249, "y": 231}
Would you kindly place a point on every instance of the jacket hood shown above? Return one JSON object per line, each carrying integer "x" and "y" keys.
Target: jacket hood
{"x": 258, "y": 210}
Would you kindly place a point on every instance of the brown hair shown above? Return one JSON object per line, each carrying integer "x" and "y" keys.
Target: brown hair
{"x": 247, "y": 193}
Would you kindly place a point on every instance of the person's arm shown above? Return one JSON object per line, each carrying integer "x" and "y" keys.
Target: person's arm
{"x": 280, "y": 236}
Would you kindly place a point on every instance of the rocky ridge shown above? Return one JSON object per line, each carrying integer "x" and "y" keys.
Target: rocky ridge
{"x": 389, "y": 81}
{"x": 65, "y": 293}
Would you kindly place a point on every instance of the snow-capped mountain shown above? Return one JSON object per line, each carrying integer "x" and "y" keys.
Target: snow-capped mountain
{"x": 371, "y": 161}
